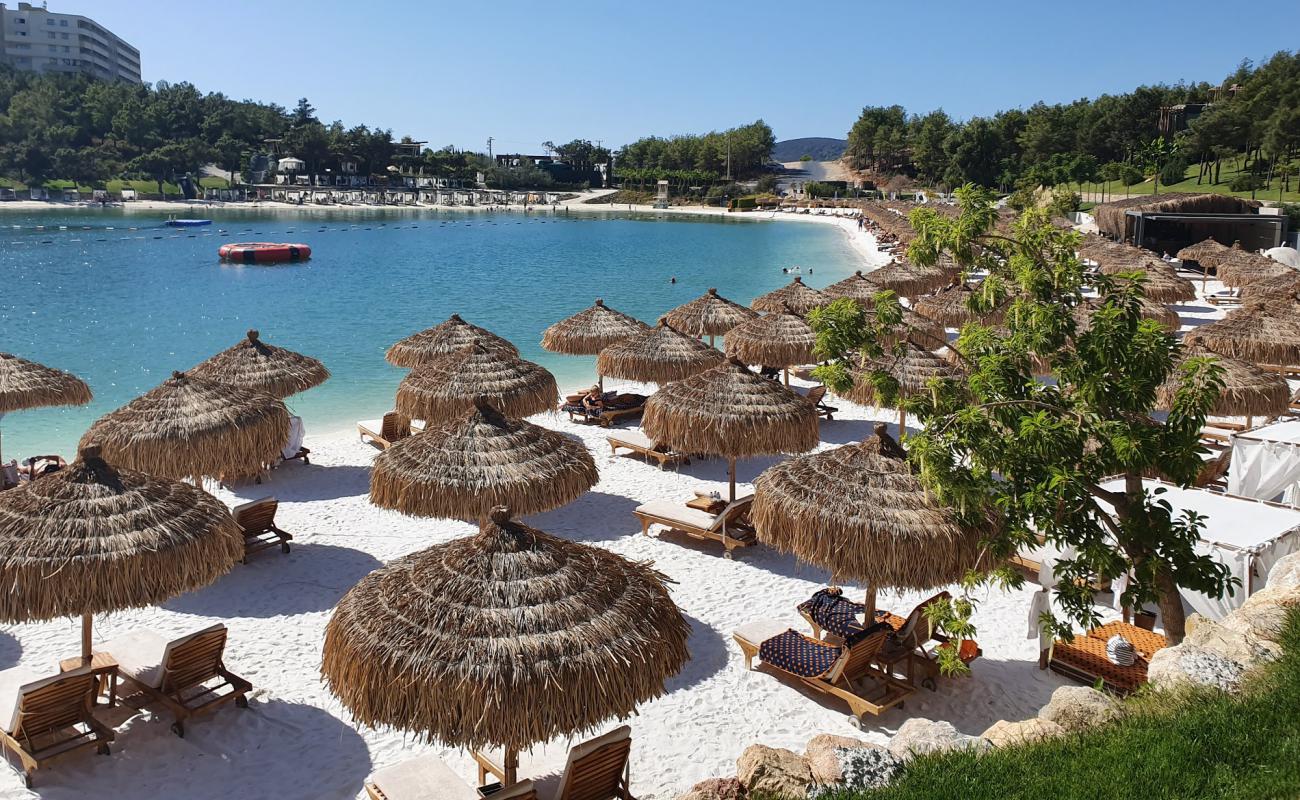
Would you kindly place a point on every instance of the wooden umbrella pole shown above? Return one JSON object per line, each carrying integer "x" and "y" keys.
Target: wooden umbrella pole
{"x": 87, "y": 622}
{"x": 870, "y": 603}
{"x": 902, "y": 424}
{"x": 511, "y": 768}
{"x": 600, "y": 381}
{"x": 786, "y": 370}
{"x": 731, "y": 477}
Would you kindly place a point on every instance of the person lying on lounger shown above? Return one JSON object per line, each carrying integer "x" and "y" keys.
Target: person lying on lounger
{"x": 37, "y": 466}
{"x": 593, "y": 402}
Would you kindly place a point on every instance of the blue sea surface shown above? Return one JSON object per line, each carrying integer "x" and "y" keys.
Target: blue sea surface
{"x": 121, "y": 300}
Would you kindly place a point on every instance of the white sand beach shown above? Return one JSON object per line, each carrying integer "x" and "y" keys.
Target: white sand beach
{"x": 296, "y": 741}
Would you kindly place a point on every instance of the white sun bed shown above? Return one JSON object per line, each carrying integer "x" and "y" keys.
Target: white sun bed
{"x": 425, "y": 777}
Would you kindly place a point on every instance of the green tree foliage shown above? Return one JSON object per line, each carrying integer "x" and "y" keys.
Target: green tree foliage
{"x": 704, "y": 154}
{"x": 1036, "y": 454}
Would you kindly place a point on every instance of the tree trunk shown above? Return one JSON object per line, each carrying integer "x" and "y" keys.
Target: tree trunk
{"x": 1171, "y": 606}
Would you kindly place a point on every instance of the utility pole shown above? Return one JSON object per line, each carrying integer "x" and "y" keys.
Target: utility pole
{"x": 728, "y": 156}
{"x": 490, "y": 148}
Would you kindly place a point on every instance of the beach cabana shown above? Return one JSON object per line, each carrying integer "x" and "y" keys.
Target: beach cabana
{"x": 657, "y": 355}
{"x": 776, "y": 340}
{"x": 731, "y": 412}
{"x": 709, "y": 315}
{"x": 25, "y": 384}
{"x": 254, "y": 364}
{"x": 861, "y": 512}
{"x": 463, "y": 469}
{"x": 795, "y": 298}
{"x": 440, "y": 390}
{"x": 1265, "y": 462}
{"x": 913, "y": 368}
{"x": 442, "y": 340}
{"x": 188, "y": 427}
{"x": 1247, "y": 390}
{"x": 858, "y": 287}
{"x": 94, "y": 538}
{"x": 507, "y": 638}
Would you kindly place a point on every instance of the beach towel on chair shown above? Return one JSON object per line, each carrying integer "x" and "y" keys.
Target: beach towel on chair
{"x": 834, "y": 612}
{"x": 798, "y": 655}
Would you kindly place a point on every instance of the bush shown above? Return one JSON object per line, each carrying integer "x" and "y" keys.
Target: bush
{"x": 1130, "y": 175}
{"x": 1292, "y": 212}
{"x": 1245, "y": 183}
{"x": 1173, "y": 172}
{"x": 1063, "y": 201}
{"x": 742, "y": 204}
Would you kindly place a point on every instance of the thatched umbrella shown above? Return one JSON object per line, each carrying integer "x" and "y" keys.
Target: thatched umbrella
{"x": 439, "y": 390}
{"x": 657, "y": 355}
{"x": 913, "y": 369}
{"x": 93, "y": 538}
{"x": 773, "y": 340}
{"x": 254, "y": 364}
{"x": 1247, "y": 390}
{"x": 590, "y": 331}
{"x": 1279, "y": 287}
{"x": 1167, "y": 317}
{"x": 1201, "y": 250}
{"x": 188, "y": 427}
{"x": 1262, "y": 333}
{"x": 25, "y": 384}
{"x": 858, "y": 286}
{"x": 951, "y": 307}
{"x": 909, "y": 280}
{"x": 710, "y": 315}
{"x": 731, "y": 412}
{"x": 794, "y": 297}
{"x": 1212, "y": 258}
{"x": 1240, "y": 268}
{"x": 1160, "y": 281}
{"x": 441, "y": 340}
{"x": 484, "y": 459}
{"x": 860, "y": 512}
{"x": 503, "y": 639}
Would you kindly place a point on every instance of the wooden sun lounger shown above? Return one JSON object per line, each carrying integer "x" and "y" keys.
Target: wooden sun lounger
{"x": 607, "y": 417}
{"x": 383, "y": 432}
{"x": 426, "y": 777}
{"x": 597, "y": 769}
{"x": 852, "y": 677}
{"x": 729, "y": 526}
{"x": 186, "y": 675}
{"x": 257, "y": 518}
{"x": 1084, "y": 659}
{"x": 46, "y": 717}
{"x": 817, "y": 395}
{"x": 638, "y": 442}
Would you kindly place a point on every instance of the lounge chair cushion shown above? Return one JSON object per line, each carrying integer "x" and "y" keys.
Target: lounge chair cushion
{"x": 676, "y": 511}
{"x": 760, "y": 630}
{"x": 798, "y": 654}
{"x": 12, "y": 683}
{"x": 421, "y": 778}
{"x": 371, "y": 425}
{"x": 633, "y": 439}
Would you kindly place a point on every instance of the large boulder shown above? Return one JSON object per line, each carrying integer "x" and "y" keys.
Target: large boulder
{"x": 826, "y": 754}
{"x": 1188, "y": 665}
{"x": 1261, "y": 622}
{"x": 1077, "y": 708}
{"x": 775, "y": 771}
{"x": 1285, "y": 572}
{"x": 1243, "y": 648}
{"x": 715, "y": 789}
{"x": 1008, "y": 734}
{"x": 918, "y": 736}
{"x": 1279, "y": 595}
{"x": 863, "y": 768}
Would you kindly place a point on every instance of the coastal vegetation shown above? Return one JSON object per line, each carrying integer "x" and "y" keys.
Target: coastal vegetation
{"x": 1251, "y": 122}
{"x": 740, "y": 152}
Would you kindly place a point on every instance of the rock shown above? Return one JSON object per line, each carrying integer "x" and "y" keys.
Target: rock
{"x": 1285, "y": 596}
{"x": 774, "y": 770}
{"x": 1076, "y": 708}
{"x": 1006, "y": 734}
{"x": 1234, "y": 645}
{"x": 826, "y": 754}
{"x": 919, "y": 735}
{"x": 1190, "y": 665}
{"x": 715, "y": 789}
{"x": 1263, "y": 622}
{"x": 864, "y": 768}
{"x": 1285, "y": 572}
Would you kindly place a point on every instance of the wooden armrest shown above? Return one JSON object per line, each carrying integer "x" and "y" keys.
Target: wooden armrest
{"x": 486, "y": 764}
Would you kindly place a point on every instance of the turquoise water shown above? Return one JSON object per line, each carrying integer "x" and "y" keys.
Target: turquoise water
{"x": 124, "y": 308}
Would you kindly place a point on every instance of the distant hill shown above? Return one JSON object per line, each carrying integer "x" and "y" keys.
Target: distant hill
{"x": 819, "y": 147}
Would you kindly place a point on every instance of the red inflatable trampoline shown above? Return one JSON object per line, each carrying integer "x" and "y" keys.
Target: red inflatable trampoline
{"x": 263, "y": 252}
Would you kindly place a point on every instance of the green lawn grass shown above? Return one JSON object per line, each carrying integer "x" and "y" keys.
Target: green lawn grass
{"x": 1190, "y": 745}
{"x": 116, "y": 186}
{"x": 1228, "y": 170}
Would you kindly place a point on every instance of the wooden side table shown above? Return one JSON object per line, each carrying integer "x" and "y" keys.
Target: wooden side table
{"x": 103, "y": 666}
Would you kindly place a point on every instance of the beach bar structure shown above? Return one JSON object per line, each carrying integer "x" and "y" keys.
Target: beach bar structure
{"x": 1168, "y": 223}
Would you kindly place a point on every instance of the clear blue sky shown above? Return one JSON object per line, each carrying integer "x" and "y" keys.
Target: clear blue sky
{"x": 526, "y": 72}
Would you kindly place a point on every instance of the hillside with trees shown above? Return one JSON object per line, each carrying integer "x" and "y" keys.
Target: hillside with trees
{"x": 1253, "y": 117}
{"x": 814, "y": 148}
{"x": 697, "y": 159}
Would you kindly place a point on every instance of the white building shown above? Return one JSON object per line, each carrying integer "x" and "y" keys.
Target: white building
{"x": 37, "y": 40}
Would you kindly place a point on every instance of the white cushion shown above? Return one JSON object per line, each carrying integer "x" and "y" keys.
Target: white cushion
{"x": 676, "y": 511}
{"x": 139, "y": 656}
{"x": 422, "y": 778}
{"x": 371, "y": 425}
{"x": 760, "y": 630}
{"x": 12, "y": 682}
{"x": 633, "y": 439}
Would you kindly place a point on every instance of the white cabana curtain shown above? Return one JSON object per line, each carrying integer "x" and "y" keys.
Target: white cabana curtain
{"x": 1264, "y": 470}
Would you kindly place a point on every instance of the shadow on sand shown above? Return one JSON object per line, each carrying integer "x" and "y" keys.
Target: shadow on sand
{"x": 708, "y": 657}
{"x": 302, "y": 482}
{"x": 11, "y": 650}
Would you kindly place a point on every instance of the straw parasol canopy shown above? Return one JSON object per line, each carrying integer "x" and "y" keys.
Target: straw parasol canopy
{"x": 503, "y": 639}
{"x": 94, "y": 538}
{"x": 484, "y": 459}
{"x": 450, "y": 337}
{"x": 772, "y": 340}
{"x": 1240, "y": 268}
{"x": 1259, "y": 332}
{"x": 254, "y": 364}
{"x": 188, "y": 427}
{"x": 860, "y": 512}
{"x": 1202, "y": 250}
{"x": 1167, "y": 317}
{"x": 1160, "y": 282}
{"x": 858, "y": 287}
{"x": 951, "y": 307}
{"x": 442, "y": 389}
{"x": 910, "y": 280}
{"x": 657, "y": 355}
{"x": 794, "y": 297}
{"x": 913, "y": 369}
{"x": 25, "y": 384}
{"x": 1212, "y": 257}
{"x": 1247, "y": 390}
{"x": 710, "y": 314}
{"x": 731, "y": 412}
{"x": 1279, "y": 287}
{"x": 590, "y": 331}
